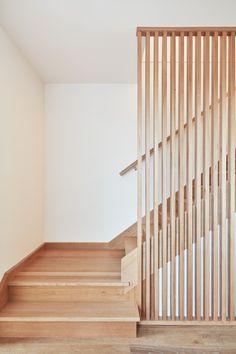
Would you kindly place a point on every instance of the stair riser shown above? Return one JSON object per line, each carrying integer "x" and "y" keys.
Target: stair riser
{"x": 67, "y": 329}
{"x": 67, "y": 293}
{"x": 82, "y": 253}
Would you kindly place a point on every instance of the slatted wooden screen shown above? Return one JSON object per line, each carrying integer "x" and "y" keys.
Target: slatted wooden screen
{"x": 186, "y": 188}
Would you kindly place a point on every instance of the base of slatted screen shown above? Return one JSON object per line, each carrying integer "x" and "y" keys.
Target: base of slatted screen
{"x": 168, "y": 283}
{"x": 187, "y": 323}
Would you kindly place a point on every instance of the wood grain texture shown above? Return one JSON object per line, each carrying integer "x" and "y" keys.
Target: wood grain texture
{"x": 206, "y": 164}
{"x": 173, "y": 172}
{"x": 188, "y": 215}
{"x": 198, "y": 159}
{"x": 141, "y": 349}
{"x": 231, "y": 166}
{"x": 77, "y": 245}
{"x": 190, "y": 170}
{"x": 181, "y": 173}
{"x": 60, "y": 293}
{"x": 87, "y": 262}
{"x": 82, "y": 254}
{"x": 199, "y": 339}
{"x": 156, "y": 120}
{"x": 68, "y": 293}
{"x": 222, "y": 176}
{"x": 32, "y": 329}
{"x": 214, "y": 170}
{"x": 164, "y": 176}
{"x": 69, "y": 311}
{"x": 69, "y": 274}
{"x": 26, "y": 279}
{"x": 139, "y": 177}
{"x": 147, "y": 178}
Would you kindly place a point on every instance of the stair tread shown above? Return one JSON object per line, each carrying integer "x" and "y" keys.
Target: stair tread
{"x": 74, "y": 264}
{"x": 70, "y": 311}
{"x": 39, "y": 280}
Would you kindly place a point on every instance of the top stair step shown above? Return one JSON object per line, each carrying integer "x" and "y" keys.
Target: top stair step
{"x": 55, "y": 252}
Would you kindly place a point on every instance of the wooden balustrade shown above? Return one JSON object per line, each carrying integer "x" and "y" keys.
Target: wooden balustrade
{"x": 186, "y": 239}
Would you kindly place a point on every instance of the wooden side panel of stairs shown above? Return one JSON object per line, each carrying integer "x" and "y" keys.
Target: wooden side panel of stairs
{"x": 70, "y": 293}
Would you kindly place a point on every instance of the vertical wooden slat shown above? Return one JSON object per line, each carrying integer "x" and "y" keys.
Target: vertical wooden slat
{"x": 177, "y": 259}
{"x": 172, "y": 169}
{"x": 168, "y": 271}
{"x": 222, "y": 160}
{"x": 189, "y": 170}
{"x": 181, "y": 171}
{"x": 231, "y": 167}
{"x": 206, "y": 161}
{"x": 156, "y": 179}
{"x": 144, "y": 273}
{"x": 198, "y": 156}
{"x": 164, "y": 169}
{"x": 214, "y": 171}
{"x": 147, "y": 174}
{"x": 152, "y": 284}
{"x": 139, "y": 176}
{"x": 160, "y": 267}
{"x": 181, "y": 160}
{"x": 194, "y": 257}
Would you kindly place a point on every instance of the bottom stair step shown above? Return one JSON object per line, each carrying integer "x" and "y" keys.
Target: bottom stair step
{"x": 67, "y": 329}
{"x": 63, "y": 319}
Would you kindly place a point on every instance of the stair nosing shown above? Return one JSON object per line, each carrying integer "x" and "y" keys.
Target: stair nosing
{"x": 68, "y": 274}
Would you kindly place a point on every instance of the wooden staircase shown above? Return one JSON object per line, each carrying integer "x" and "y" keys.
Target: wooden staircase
{"x": 64, "y": 292}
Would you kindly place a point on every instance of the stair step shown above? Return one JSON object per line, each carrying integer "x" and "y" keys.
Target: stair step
{"x": 74, "y": 264}
{"x": 34, "y": 319}
{"x": 41, "y": 288}
{"x": 52, "y": 280}
{"x": 69, "y": 293}
{"x": 82, "y": 253}
{"x": 130, "y": 244}
{"x": 75, "y": 311}
{"x": 88, "y": 275}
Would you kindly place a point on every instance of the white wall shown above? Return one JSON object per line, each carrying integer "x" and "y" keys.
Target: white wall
{"x": 21, "y": 157}
{"x": 90, "y": 137}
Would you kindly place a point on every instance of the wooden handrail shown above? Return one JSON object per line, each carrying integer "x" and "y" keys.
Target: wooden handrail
{"x": 133, "y": 165}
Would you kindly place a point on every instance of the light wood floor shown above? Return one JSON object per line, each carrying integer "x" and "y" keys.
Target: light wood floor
{"x": 178, "y": 340}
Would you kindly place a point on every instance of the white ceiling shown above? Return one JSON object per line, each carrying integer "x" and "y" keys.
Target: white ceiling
{"x": 93, "y": 41}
